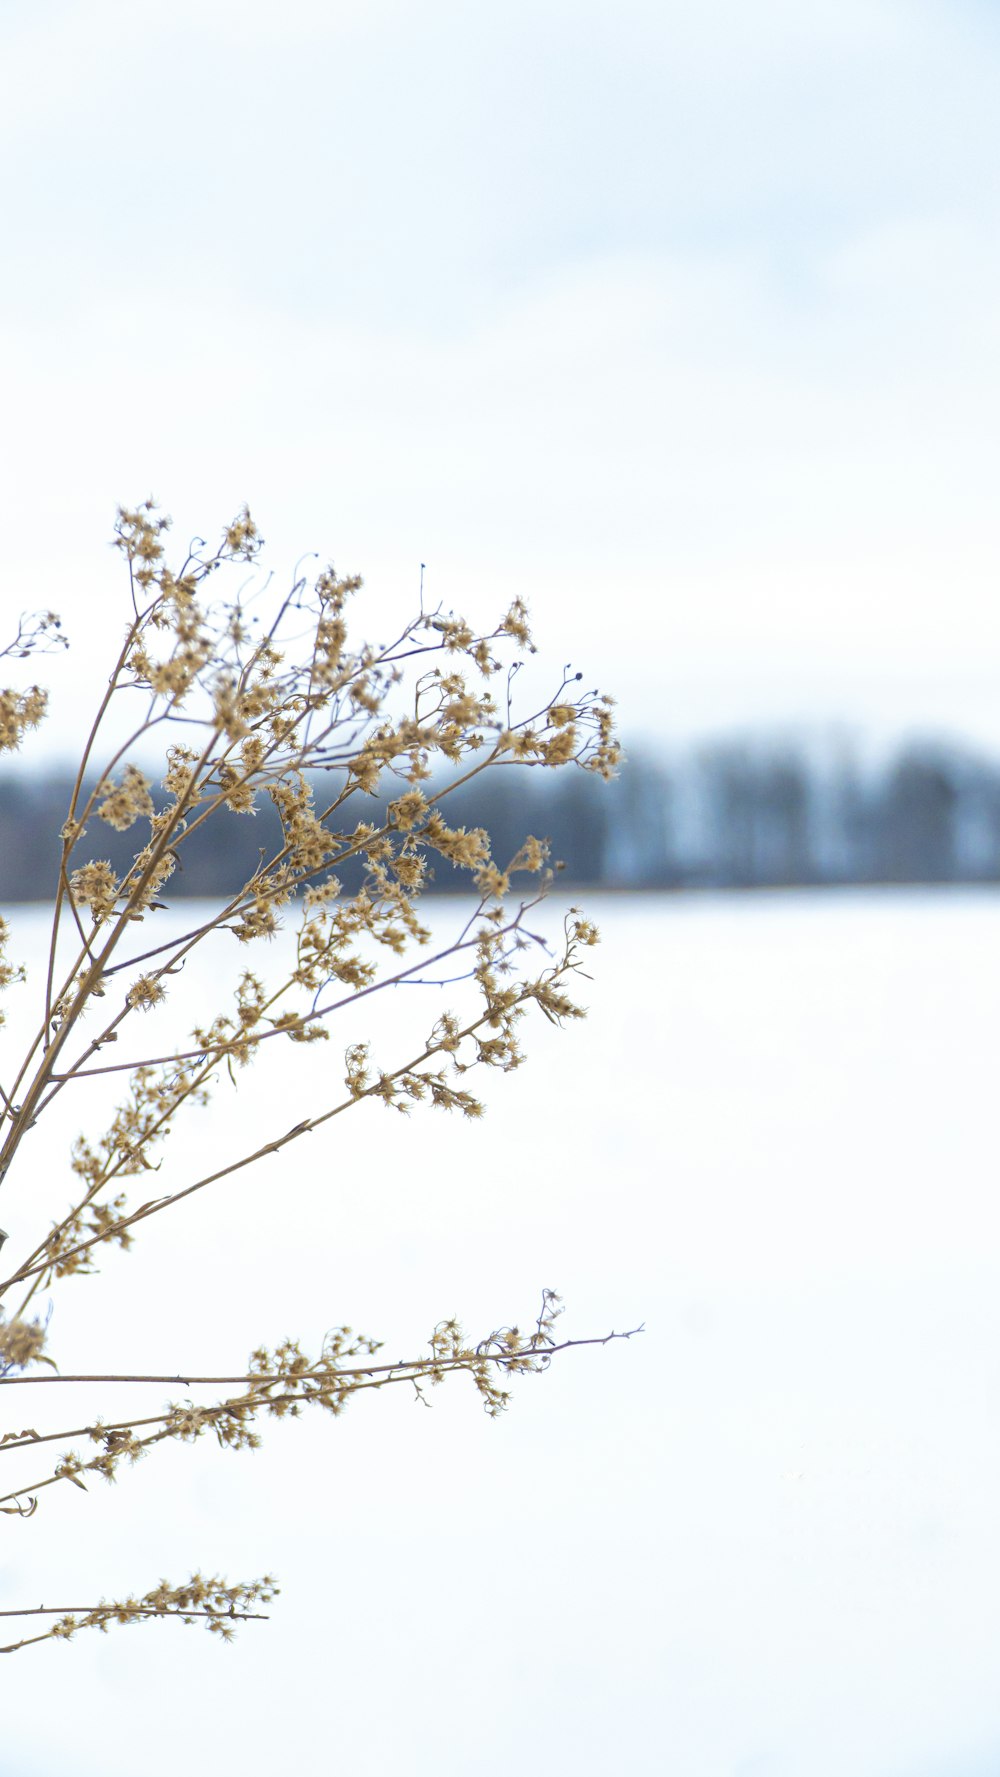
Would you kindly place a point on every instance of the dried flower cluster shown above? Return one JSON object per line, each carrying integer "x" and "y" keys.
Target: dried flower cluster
{"x": 41, "y": 633}
{"x": 219, "y": 1606}
{"x": 22, "y": 1342}
{"x": 357, "y": 747}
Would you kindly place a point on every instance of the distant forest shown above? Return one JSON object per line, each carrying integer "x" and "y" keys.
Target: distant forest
{"x": 727, "y": 815}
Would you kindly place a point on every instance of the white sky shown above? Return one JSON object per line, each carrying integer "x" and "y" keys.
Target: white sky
{"x": 680, "y": 318}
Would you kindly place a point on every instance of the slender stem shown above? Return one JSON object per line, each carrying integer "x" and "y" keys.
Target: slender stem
{"x": 254, "y": 1401}
{"x": 145, "y": 1610}
{"x": 497, "y": 1357}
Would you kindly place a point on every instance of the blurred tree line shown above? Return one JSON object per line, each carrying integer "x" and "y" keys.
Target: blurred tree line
{"x": 726, "y": 815}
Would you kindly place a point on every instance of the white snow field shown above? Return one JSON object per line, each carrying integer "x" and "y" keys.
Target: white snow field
{"x": 761, "y": 1540}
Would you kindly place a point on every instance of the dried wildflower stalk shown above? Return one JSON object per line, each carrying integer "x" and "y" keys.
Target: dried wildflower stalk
{"x": 219, "y": 1606}
{"x": 253, "y": 698}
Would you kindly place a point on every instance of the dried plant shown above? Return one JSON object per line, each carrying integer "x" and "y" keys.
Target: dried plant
{"x": 253, "y": 698}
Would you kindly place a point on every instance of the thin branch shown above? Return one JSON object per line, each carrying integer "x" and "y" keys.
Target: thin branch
{"x": 497, "y": 1357}
{"x": 319, "y": 1384}
{"x": 141, "y": 1610}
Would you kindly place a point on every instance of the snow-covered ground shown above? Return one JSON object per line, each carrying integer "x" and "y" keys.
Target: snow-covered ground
{"x": 760, "y": 1541}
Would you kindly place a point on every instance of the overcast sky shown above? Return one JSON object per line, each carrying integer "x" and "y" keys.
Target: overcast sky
{"x": 680, "y": 318}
